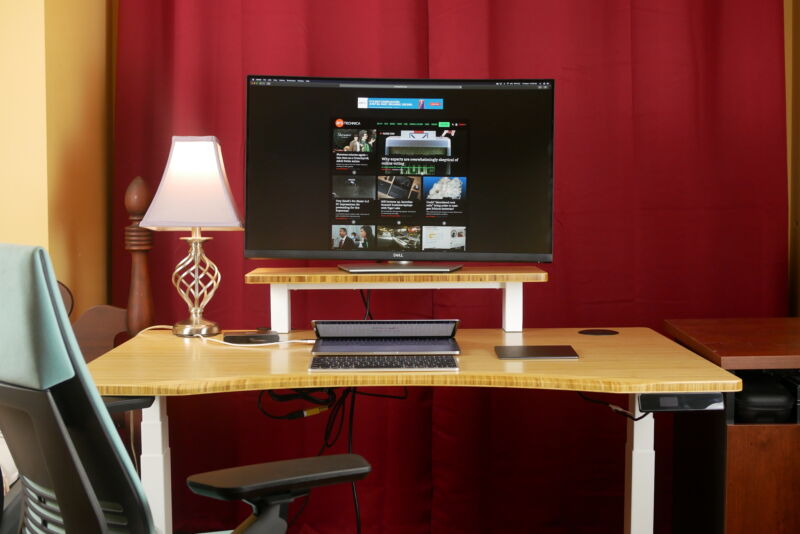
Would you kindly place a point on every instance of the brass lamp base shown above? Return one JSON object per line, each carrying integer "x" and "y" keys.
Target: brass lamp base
{"x": 196, "y": 278}
{"x": 191, "y": 327}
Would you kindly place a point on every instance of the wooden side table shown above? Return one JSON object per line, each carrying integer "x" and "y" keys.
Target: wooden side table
{"x": 738, "y": 478}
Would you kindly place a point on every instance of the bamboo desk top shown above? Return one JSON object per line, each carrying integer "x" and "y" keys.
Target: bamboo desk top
{"x": 334, "y": 275}
{"x": 638, "y": 360}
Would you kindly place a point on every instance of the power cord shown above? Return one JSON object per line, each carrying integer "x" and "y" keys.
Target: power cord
{"x": 323, "y": 404}
{"x": 249, "y": 345}
{"x": 131, "y": 430}
{"x": 333, "y": 426}
{"x": 228, "y": 343}
{"x": 336, "y": 416}
{"x": 367, "y": 301}
{"x": 156, "y": 327}
{"x": 614, "y": 408}
{"x": 350, "y": 451}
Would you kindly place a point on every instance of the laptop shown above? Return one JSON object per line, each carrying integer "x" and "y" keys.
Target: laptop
{"x": 354, "y": 338}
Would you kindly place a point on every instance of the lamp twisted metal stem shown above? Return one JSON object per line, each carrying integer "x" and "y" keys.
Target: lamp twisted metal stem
{"x": 196, "y": 278}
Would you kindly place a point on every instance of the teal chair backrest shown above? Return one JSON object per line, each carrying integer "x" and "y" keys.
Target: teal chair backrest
{"x": 76, "y": 474}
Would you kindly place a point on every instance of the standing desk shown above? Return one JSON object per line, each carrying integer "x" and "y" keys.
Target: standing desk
{"x": 636, "y": 361}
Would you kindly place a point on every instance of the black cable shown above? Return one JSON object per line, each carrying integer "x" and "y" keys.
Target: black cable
{"x": 335, "y": 409}
{"x": 323, "y": 398}
{"x": 335, "y": 423}
{"x": 264, "y": 410}
{"x": 367, "y": 300}
{"x": 614, "y": 408}
{"x": 589, "y": 399}
{"x": 385, "y": 395}
{"x": 350, "y": 451}
{"x": 327, "y": 395}
{"x": 333, "y": 431}
{"x": 297, "y": 414}
{"x": 299, "y": 512}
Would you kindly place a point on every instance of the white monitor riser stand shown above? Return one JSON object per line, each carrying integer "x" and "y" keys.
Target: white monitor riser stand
{"x": 284, "y": 280}
{"x": 280, "y": 304}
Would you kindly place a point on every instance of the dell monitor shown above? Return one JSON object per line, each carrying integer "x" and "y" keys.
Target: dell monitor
{"x": 389, "y": 169}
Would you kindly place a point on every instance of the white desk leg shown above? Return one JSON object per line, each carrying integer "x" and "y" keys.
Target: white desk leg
{"x": 280, "y": 308}
{"x": 156, "y": 464}
{"x": 512, "y": 307}
{"x": 640, "y": 473}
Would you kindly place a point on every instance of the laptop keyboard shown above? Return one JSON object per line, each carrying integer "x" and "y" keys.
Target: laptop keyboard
{"x": 390, "y": 362}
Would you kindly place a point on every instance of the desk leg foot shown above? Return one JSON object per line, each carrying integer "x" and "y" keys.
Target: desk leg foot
{"x": 640, "y": 472}
{"x": 512, "y": 307}
{"x": 156, "y": 464}
{"x": 280, "y": 308}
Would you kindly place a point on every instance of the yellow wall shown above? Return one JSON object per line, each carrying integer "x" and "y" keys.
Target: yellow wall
{"x": 23, "y": 136}
{"x": 54, "y": 144}
{"x": 77, "y": 51}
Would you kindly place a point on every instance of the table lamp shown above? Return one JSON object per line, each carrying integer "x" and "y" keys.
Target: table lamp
{"x": 194, "y": 195}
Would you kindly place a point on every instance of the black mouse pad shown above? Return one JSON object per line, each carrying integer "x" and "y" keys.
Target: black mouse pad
{"x": 536, "y": 352}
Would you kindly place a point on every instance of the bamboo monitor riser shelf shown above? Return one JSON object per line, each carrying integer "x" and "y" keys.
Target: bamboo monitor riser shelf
{"x": 509, "y": 279}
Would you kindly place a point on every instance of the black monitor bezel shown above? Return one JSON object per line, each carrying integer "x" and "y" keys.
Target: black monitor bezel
{"x": 533, "y": 257}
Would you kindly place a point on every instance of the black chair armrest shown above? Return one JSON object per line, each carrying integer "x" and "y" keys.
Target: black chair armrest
{"x": 116, "y": 404}
{"x": 254, "y": 482}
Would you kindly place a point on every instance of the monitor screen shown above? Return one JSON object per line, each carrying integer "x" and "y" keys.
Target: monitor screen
{"x": 399, "y": 169}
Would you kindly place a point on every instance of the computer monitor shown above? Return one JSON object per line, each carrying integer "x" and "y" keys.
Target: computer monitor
{"x": 379, "y": 169}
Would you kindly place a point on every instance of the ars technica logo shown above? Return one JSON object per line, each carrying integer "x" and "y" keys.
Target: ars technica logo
{"x": 340, "y": 123}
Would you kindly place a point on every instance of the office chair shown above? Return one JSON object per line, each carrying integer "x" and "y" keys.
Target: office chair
{"x": 75, "y": 475}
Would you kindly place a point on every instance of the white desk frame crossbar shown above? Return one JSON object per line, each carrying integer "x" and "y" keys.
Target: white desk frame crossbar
{"x": 281, "y": 303}
{"x": 639, "y": 469}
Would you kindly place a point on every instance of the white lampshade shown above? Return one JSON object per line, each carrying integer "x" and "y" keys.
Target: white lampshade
{"x": 194, "y": 191}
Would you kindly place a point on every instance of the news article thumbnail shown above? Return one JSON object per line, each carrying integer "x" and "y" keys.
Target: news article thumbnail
{"x": 445, "y": 197}
{"x": 444, "y": 187}
{"x": 428, "y": 150}
{"x": 353, "y": 186}
{"x": 444, "y": 238}
{"x": 352, "y": 237}
{"x": 352, "y": 147}
{"x": 399, "y": 237}
{"x": 354, "y": 139}
{"x": 400, "y": 187}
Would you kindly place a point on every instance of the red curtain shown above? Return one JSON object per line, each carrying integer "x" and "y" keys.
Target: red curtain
{"x": 670, "y": 201}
